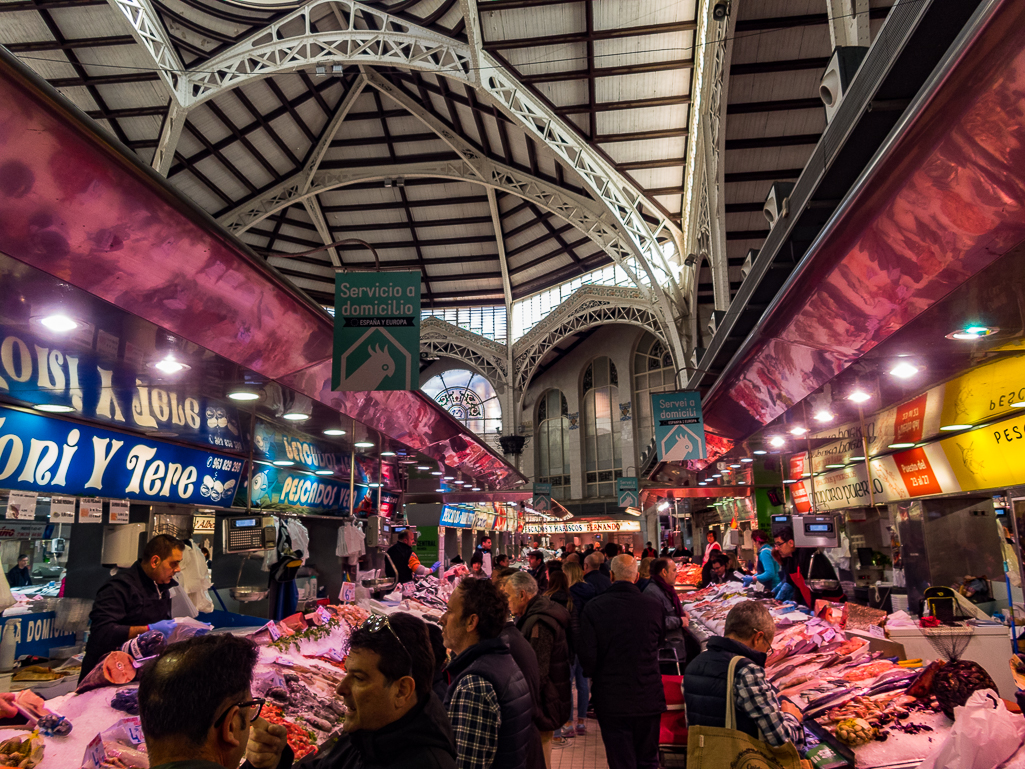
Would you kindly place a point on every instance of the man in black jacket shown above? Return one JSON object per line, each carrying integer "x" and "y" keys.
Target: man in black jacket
{"x": 538, "y": 570}
{"x": 137, "y": 599}
{"x": 488, "y": 701}
{"x": 20, "y": 576}
{"x": 544, "y": 624}
{"x": 593, "y": 575}
{"x": 405, "y": 559}
{"x": 395, "y": 721}
{"x": 620, "y": 633}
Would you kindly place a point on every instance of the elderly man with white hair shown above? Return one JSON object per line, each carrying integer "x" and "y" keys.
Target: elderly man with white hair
{"x": 544, "y": 624}
{"x": 759, "y": 713}
{"x": 620, "y": 633}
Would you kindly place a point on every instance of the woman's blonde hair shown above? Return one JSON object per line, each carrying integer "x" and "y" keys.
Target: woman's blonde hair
{"x": 573, "y": 572}
{"x": 645, "y": 570}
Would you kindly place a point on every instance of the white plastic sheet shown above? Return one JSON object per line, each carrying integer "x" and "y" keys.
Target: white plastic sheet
{"x": 984, "y": 735}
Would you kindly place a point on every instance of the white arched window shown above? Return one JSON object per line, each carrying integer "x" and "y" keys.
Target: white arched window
{"x": 653, "y": 373}
{"x": 603, "y": 456}
{"x": 553, "y": 443}
{"x": 468, "y": 397}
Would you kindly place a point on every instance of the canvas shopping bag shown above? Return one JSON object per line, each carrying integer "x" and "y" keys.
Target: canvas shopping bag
{"x": 709, "y": 747}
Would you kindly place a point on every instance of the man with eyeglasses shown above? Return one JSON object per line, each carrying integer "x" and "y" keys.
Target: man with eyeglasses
{"x": 196, "y": 704}
{"x": 748, "y": 635}
{"x": 394, "y": 719}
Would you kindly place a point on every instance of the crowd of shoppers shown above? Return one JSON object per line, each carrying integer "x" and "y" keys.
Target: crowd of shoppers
{"x": 485, "y": 691}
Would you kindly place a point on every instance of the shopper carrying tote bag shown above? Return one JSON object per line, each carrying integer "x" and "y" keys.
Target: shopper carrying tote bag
{"x": 710, "y": 747}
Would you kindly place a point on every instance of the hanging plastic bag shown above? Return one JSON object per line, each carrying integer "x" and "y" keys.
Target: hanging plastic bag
{"x": 6, "y": 596}
{"x": 181, "y": 604}
{"x": 984, "y": 735}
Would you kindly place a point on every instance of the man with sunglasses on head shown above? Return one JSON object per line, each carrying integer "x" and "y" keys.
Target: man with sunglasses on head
{"x": 748, "y": 635}
{"x": 394, "y": 719}
{"x": 196, "y": 705}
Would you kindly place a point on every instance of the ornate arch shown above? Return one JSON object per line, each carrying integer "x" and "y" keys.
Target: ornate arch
{"x": 438, "y": 338}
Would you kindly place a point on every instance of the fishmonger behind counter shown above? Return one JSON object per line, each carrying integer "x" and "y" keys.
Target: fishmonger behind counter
{"x": 135, "y": 600}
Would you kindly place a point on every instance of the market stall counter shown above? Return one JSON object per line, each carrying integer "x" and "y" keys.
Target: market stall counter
{"x": 880, "y": 712}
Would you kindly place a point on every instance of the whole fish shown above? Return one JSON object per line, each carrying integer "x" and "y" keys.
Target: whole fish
{"x": 783, "y": 671}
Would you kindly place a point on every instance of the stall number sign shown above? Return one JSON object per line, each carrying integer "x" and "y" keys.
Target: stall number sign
{"x": 377, "y": 331}
{"x": 49, "y": 456}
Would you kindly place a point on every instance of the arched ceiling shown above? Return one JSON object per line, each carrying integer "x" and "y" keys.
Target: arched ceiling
{"x": 619, "y": 74}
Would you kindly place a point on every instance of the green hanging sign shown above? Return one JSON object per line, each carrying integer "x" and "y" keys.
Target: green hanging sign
{"x": 628, "y": 492}
{"x": 377, "y": 331}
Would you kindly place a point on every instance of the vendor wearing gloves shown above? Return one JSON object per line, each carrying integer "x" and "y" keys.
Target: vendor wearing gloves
{"x": 405, "y": 560}
{"x": 768, "y": 571}
{"x": 135, "y": 600}
{"x": 19, "y": 576}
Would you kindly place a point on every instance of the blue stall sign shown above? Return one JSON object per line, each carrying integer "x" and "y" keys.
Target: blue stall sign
{"x": 679, "y": 426}
{"x": 274, "y": 444}
{"x": 38, "y": 634}
{"x": 276, "y": 488}
{"x": 36, "y": 370}
{"x": 53, "y": 456}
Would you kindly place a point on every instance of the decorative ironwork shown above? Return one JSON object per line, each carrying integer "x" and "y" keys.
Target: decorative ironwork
{"x": 512, "y": 444}
{"x": 461, "y": 403}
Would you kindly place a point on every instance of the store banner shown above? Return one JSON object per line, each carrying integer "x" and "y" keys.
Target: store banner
{"x": 90, "y": 511}
{"x": 277, "y": 488}
{"x": 628, "y": 492}
{"x": 679, "y": 426}
{"x": 101, "y": 387}
{"x": 427, "y": 540}
{"x": 119, "y": 511}
{"x": 273, "y": 444}
{"x": 542, "y": 499}
{"x": 584, "y": 527}
{"x": 49, "y": 456}
{"x": 21, "y": 505}
{"x": 24, "y": 530}
{"x": 377, "y": 331}
{"x": 62, "y": 509}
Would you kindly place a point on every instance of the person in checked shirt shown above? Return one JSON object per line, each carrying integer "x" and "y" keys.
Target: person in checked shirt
{"x": 748, "y": 634}
{"x": 488, "y": 700}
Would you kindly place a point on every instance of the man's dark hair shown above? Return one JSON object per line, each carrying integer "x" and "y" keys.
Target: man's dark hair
{"x": 720, "y": 558}
{"x": 162, "y": 545}
{"x": 554, "y": 566}
{"x": 483, "y": 598}
{"x": 501, "y": 557}
{"x": 659, "y": 565}
{"x": 537, "y": 554}
{"x": 611, "y": 550}
{"x": 486, "y": 539}
{"x": 786, "y": 533}
{"x": 23, "y": 555}
{"x": 414, "y": 656}
{"x": 437, "y": 646}
{"x": 183, "y": 692}
{"x": 477, "y": 557}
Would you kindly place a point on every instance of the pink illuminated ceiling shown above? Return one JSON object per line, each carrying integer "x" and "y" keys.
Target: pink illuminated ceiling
{"x": 945, "y": 201}
{"x": 77, "y": 208}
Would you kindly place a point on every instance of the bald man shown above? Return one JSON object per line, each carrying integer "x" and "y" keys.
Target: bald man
{"x": 620, "y": 633}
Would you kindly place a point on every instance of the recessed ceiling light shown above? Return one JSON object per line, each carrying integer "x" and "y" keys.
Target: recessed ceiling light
{"x": 789, "y": 480}
{"x": 736, "y": 465}
{"x": 717, "y": 475}
{"x": 956, "y": 427}
{"x": 823, "y": 416}
{"x": 53, "y": 408}
{"x": 334, "y": 431}
{"x": 169, "y": 365}
{"x": 970, "y": 333}
{"x": 450, "y": 477}
{"x": 742, "y": 483}
{"x": 1018, "y": 405}
{"x": 776, "y": 441}
{"x": 834, "y": 466}
{"x": 295, "y": 416}
{"x": 387, "y": 453}
{"x": 747, "y": 459}
{"x": 476, "y": 488}
{"x": 439, "y": 489}
{"x": 435, "y": 472}
{"x": 902, "y": 445}
{"x": 324, "y": 472}
{"x": 407, "y": 461}
{"x": 364, "y": 445}
{"x": 423, "y": 467}
{"x": 760, "y": 452}
{"x": 373, "y": 485}
{"x": 283, "y": 463}
{"x": 244, "y": 395}
{"x": 857, "y": 459}
{"x": 904, "y": 370}
{"x": 859, "y": 396}
{"x": 702, "y": 483}
{"x": 60, "y": 323}
{"x": 798, "y": 430}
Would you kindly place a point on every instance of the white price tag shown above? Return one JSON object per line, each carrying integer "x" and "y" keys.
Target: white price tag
{"x": 62, "y": 509}
{"x": 119, "y": 511}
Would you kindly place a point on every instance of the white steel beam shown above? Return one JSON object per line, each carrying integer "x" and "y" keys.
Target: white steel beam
{"x": 496, "y": 222}
{"x": 293, "y": 42}
{"x": 148, "y": 30}
{"x": 848, "y": 22}
{"x": 331, "y": 129}
{"x": 170, "y": 133}
{"x": 312, "y": 206}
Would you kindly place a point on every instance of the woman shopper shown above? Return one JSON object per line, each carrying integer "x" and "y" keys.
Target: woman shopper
{"x": 767, "y": 570}
{"x": 580, "y": 593}
{"x": 644, "y": 573}
{"x": 558, "y": 592}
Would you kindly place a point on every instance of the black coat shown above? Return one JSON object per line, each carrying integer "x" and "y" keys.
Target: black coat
{"x": 421, "y": 739}
{"x": 600, "y": 582}
{"x": 620, "y": 634}
{"x": 19, "y": 577}
{"x": 544, "y": 616}
{"x": 704, "y": 684}
{"x": 526, "y": 661}
{"x": 129, "y": 599}
{"x": 400, "y": 553}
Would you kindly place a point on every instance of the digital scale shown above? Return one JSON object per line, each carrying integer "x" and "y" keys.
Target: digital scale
{"x": 816, "y": 531}
{"x": 244, "y": 534}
